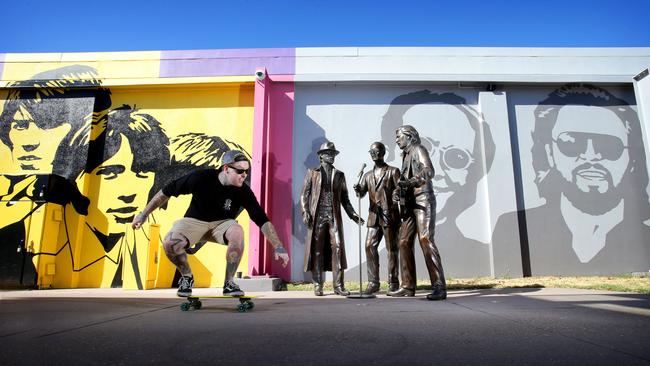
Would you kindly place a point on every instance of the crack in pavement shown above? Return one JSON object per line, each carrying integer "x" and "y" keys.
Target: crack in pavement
{"x": 104, "y": 321}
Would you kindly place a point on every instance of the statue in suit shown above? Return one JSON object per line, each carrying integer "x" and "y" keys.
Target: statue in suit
{"x": 324, "y": 192}
{"x": 383, "y": 217}
{"x": 418, "y": 210}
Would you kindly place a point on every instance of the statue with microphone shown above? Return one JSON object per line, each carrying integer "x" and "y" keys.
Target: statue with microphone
{"x": 323, "y": 193}
{"x": 380, "y": 184}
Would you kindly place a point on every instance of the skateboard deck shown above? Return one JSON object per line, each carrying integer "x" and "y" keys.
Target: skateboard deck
{"x": 194, "y": 302}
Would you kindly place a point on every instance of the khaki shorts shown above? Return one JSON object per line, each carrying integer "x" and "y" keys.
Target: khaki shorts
{"x": 196, "y": 230}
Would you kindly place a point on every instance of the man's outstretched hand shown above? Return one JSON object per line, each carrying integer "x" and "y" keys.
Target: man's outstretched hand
{"x": 138, "y": 220}
{"x": 272, "y": 236}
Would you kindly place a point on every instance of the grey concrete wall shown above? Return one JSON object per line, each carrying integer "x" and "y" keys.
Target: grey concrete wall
{"x": 479, "y": 231}
{"x": 352, "y": 116}
{"x": 463, "y": 64}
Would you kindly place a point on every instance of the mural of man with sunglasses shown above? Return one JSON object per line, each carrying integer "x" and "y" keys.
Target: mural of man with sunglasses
{"x": 218, "y": 196}
{"x": 458, "y": 141}
{"x": 590, "y": 167}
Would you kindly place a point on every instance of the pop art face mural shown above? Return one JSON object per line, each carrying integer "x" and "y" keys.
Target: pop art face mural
{"x": 117, "y": 202}
{"x": 589, "y": 164}
{"x": 577, "y": 151}
{"x": 46, "y": 119}
{"x": 34, "y": 145}
{"x": 123, "y": 160}
{"x": 123, "y": 157}
{"x": 590, "y": 152}
{"x": 457, "y": 140}
{"x": 41, "y": 130}
{"x": 118, "y": 157}
{"x": 452, "y": 155}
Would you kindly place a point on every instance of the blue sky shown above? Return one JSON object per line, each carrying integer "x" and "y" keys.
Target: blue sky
{"x": 122, "y": 25}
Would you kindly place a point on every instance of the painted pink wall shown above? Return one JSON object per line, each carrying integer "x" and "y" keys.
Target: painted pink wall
{"x": 272, "y": 169}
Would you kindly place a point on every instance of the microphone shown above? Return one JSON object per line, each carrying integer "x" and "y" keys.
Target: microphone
{"x": 362, "y": 168}
{"x": 361, "y": 173}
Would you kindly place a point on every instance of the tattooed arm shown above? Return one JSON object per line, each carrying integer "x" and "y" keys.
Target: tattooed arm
{"x": 155, "y": 202}
{"x": 272, "y": 236}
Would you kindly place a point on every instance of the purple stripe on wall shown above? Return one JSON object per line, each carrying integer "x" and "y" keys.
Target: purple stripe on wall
{"x": 2, "y": 64}
{"x": 278, "y": 61}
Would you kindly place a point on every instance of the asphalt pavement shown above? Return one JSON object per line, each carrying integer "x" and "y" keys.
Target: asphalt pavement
{"x": 527, "y": 326}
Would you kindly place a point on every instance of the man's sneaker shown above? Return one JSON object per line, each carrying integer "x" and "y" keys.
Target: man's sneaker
{"x": 185, "y": 284}
{"x": 230, "y": 288}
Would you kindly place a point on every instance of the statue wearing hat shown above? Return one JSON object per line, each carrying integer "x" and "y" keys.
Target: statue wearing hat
{"x": 323, "y": 193}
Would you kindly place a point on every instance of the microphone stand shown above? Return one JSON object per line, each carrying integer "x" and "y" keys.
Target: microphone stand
{"x": 360, "y": 295}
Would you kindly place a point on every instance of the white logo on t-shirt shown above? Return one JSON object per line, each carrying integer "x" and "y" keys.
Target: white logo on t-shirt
{"x": 226, "y": 205}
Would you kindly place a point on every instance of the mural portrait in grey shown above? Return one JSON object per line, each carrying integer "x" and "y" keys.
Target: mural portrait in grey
{"x": 461, "y": 150}
{"x": 590, "y": 167}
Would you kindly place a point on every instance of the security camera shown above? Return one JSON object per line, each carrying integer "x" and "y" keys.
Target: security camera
{"x": 260, "y": 74}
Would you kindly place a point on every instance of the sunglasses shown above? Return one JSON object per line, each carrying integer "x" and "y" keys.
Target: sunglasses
{"x": 450, "y": 157}
{"x": 239, "y": 171}
{"x": 456, "y": 158}
{"x": 573, "y": 144}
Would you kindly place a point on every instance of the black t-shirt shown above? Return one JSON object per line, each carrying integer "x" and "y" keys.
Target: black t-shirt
{"x": 212, "y": 201}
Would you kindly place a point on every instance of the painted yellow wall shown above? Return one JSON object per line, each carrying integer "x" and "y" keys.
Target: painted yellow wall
{"x": 68, "y": 246}
{"x": 107, "y": 65}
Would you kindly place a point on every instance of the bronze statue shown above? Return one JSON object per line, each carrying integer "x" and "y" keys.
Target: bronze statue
{"x": 383, "y": 217}
{"x": 418, "y": 209}
{"x": 323, "y": 193}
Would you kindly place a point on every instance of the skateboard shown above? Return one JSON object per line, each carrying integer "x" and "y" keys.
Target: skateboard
{"x": 193, "y": 302}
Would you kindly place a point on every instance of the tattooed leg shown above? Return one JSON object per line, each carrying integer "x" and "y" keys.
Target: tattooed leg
{"x": 235, "y": 237}
{"x": 175, "y": 244}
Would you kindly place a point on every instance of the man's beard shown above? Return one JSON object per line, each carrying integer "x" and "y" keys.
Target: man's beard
{"x": 591, "y": 202}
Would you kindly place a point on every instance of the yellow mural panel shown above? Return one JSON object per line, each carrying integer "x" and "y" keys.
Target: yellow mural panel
{"x": 192, "y": 118}
{"x": 118, "y": 190}
{"x": 120, "y": 146}
{"x": 43, "y": 139}
{"x": 110, "y": 65}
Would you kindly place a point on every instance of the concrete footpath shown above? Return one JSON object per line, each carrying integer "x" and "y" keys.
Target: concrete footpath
{"x": 528, "y": 326}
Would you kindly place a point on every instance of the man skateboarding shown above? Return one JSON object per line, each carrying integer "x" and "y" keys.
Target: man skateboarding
{"x": 218, "y": 196}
